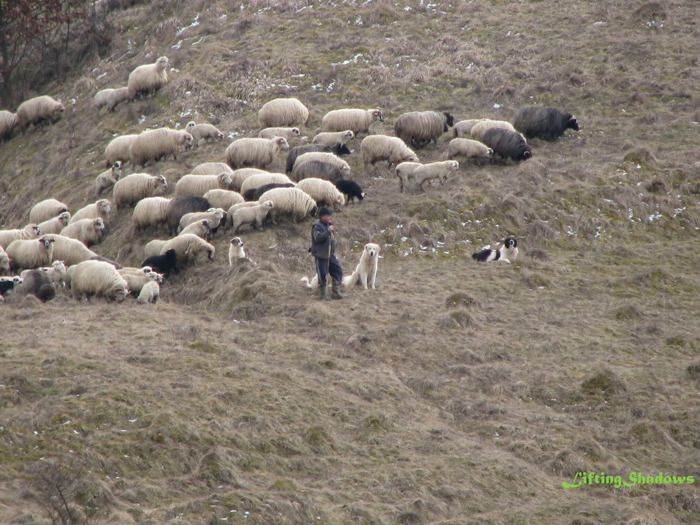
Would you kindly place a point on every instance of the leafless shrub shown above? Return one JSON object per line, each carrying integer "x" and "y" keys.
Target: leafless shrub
{"x": 605, "y": 383}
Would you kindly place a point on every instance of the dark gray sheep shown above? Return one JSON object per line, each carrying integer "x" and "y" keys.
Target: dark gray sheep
{"x": 37, "y": 283}
{"x": 253, "y": 194}
{"x": 337, "y": 149}
{"x": 507, "y": 144}
{"x": 544, "y": 122}
{"x": 179, "y": 206}
{"x": 317, "y": 169}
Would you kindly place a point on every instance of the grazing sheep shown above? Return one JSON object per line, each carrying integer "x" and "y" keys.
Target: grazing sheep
{"x": 404, "y": 170}
{"x": 283, "y": 112}
{"x": 45, "y": 210}
{"x": 211, "y": 168}
{"x": 254, "y": 193}
{"x": 337, "y": 149}
{"x": 463, "y": 128}
{"x": 8, "y": 123}
{"x": 223, "y": 198}
{"x": 214, "y": 215}
{"x": 543, "y": 122}
{"x": 56, "y": 224}
{"x": 200, "y": 228}
{"x": 4, "y": 261}
{"x": 150, "y": 211}
{"x": 107, "y": 179}
{"x": 419, "y": 128}
{"x": 149, "y": 293}
{"x": 111, "y": 98}
{"x": 57, "y": 272}
{"x": 137, "y": 186}
{"x": 200, "y": 184}
{"x": 165, "y": 264}
{"x": 30, "y": 231}
{"x": 291, "y": 201}
{"x": 153, "y": 247}
{"x": 157, "y": 144}
{"x": 232, "y": 209}
{"x": 471, "y": 149}
{"x": 100, "y": 209}
{"x": 37, "y": 283}
{"x": 507, "y": 144}
{"x": 287, "y": 133}
{"x": 87, "y": 231}
{"x": 179, "y": 206}
{"x": 148, "y": 78}
{"x": 480, "y": 128}
{"x": 7, "y": 284}
{"x": 37, "y": 110}
{"x": 323, "y": 192}
{"x": 118, "y": 149}
{"x": 100, "y": 278}
{"x": 393, "y": 150}
{"x": 188, "y": 247}
{"x": 321, "y": 156}
{"x": 237, "y": 252}
{"x": 260, "y": 179}
{"x": 240, "y": 175}
{"x": 317, "y": 169}
{"x": 203, "y": 131}
{"x": 254, "y": 215}
{"x": 30, "y": 253}
{"x": 350, "y": 189}
{"x": 330, "y": 138}
{"x": 70, "y": 251}
{"x": 435, "y": 170}
{"x": 356, "y": 120}
{"x": 136, "y": 278}
{"x": 254, "y": 152}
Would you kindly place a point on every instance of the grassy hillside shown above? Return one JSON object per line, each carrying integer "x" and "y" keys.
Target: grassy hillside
{"x": 456, "y": 392}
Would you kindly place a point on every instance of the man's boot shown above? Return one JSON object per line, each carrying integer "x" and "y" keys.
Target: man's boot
{"x": 321, "y": 292}
{"x": 335, "y": 291}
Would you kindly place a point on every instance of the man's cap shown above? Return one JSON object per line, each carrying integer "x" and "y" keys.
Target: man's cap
{"x": 324, "y": 211}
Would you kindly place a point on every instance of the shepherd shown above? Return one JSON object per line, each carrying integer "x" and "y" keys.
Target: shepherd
{"x": 323, "y": 250}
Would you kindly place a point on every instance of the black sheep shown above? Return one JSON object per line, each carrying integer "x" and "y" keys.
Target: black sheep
{"x": 253, "y": 194}
{"x": 350, "y": 188}
{"x": 338, "y": 149}
{"x": 179, "y": 206}
{"x": 318, "y": 169}
{"x": 165, "y": 264}
{"x": 543, "y": 122}
{"x": 507, "y": 144}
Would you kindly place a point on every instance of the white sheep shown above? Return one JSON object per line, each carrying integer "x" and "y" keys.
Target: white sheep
{"x": 323, "y": 192}
{"x": 4, "y": 261}
{"x": 463, "y": 128}
{"x": 87, "y": 231}
{"x": 419, "y": 128}
{"x": 137, "y": 186}
{"x": 57, "y": 272}
{"x": 38, "y": 109}
{"x": 261, "y": 179}
{"x": 254, "y": 152}
{"x": 254, "y": 215}
{"x": 111, "y": 98}
{"x": 99, "y": 278}
{"x": 283, "y": 112}
{"x": 150, "y": 211}
{"x": 45, "y": 210}
{"x": 471, "y": 149}
{"x": 480, "y": 128}
{"x": 213, "y": 215}
{"x": 153, "y": 247}
{"x": 356, "y": 120}
{"x": 320, "y": 156}
{"x": 188, "y": 247}
{"x": 30, "y": 253}
{"x": 291, "y": 201}
{"x": 30, "y": 231}
{"x": 149, "y": 293}
{"x": 376, "y": 148}
{"x": 232, "y": 209}
{"x": 136, "y": 278}
{"x": 99, "y": 209}
{"x": 204, "y": 132}
{"x": 56, "y": 224}
{"x": 330, "y": 138}
{"x": 118, "y": 149}
{"x": 200, "y": 228}
{"x": 148, "y": 78}
{"x": 242, "y": 174}
{"x": 440, "y": 170}
{"x": 403, "y": 170}
{"x": 70, "y": 251}
{"x": 156, "y": 144}
{"x": 223, "y": 198}
{"x": 287, "y": 133}
{"x": 107, "y": 179}
{"x": 200, "y": 184}
{"x": 211, "y": 168}
{"x": 8, "y": 122}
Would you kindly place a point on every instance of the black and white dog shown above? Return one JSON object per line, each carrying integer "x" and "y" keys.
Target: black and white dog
{"x": 506, "y": 253}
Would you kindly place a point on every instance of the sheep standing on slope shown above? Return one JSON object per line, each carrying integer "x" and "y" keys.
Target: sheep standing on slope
{"x": 323, "y": 192}
{"x": 87, "y": 231}
{"x": 153, "y": 247}
{"x": 100, "y": 209}
{"x": 463, "y": 128}
{"x": 70, "y": 251}
{"x": 147, "y": 79}
{"x": 544, "y": 122}
{"x": 223, "y": 199}
{"x": 30, "y": 253}
{"x": 45, "y": 210}
{"x": 254, "y": 152}
{"x": 37, "y": 110}
{"x": 137, "y": 186}
{"x": 118, "y": 149}
{"x": 419, "y": 128}
{"x": 254, "y": 194}
{"x": 356, "y": 120}
{"x": 149, "y": 293}
{"x": 316, "y": 169}
{"x": 211, "y": 168}
{"x": 136, "y": 278}
{"x": 507, "y": 144}
{"x": 404, "y": 170}
{"x": 156, "y": 144}
{"x": 254, "y": 215}
{"x": 56, "y": 224}
{"x": 330, "y": 138}
{"x": 320, "y": 156}
{"x": 204, "y": 132}
{"x": 471, "y": 149}
{"x": 179, "y": 206}
{"x": 188, "y": 247}
{"x": 440, "y": 170}
{"x": 480, "y": 128}
{"x": 289, "y": 201}
{"x": 57, "y": 272}
{"x": 283, "y": 112}
{"x": 200, "y": 228}
{"x": 30, "y": 231}
{"x": 215, "y": 216}
{"x": 150, "y": 211}
{"x": 8, "y": 122}
{"x": 99, "y": 278}
{"x": 287, "y": 133}
{"x": 109, "y": 178}
{"x": 240, "y": 175}
{"x": 393, "y": 150}
{"x": 200, "y": 184}
{"x": 337, "y": 149}
{"x": 111, "y": 98}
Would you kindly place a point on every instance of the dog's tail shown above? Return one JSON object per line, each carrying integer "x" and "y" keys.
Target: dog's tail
{"x": 350, "y": 280}
{"x": 306, "y": 281}
{"x": 482, "y": 256}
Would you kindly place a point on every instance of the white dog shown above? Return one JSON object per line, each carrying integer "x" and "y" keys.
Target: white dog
{"x": 366, "y": 271}
{"x": 506, "y": 253}
{"x": 237, "y": 252}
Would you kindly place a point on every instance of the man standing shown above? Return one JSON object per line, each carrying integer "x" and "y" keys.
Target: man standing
{"x": 323, "y": 249}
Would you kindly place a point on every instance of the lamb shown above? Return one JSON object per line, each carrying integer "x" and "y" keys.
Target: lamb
{"x": 375, "y": 148}
{"x": 404, "y": 170}
{"x": 254, "y": 152}
{"x": 136, "y": 278}
{"x": 45, "y": 210}
{"x": 323, "y": 192}
{"x": 99, "y": 278}
{"x": 87, "y": 231}
{"x": 356, "y": 120}
{"x": 232, "y": 209}
{"x": 56, "y": 224}
{"x": 107, "y": 179}
{"x": 254, "y": 193}
{"x": 214, "y": 215}
{"x": 419, "y": 128}
{"x": 156, "y": 144}
{"x": 37, "y": 110}
{"x": 100, "y": 209}
{"x": 188, "y": 247}
{"x": 165, "y": 264}
{"x": 30, "y": 231}
{"x": 149, "y": 293}
{"x": 350, "y": 189}
{"x": 57, "y": 272}
{"x": 471, "y": 149}
{"x": 237, "y": 252}
{"x": 147, "y": 79}
{"x": 480, "y": 128}
{"x": 179, "y": 206}
{"x": 330, "y": 138}
{"x": 435, "y": 170}
{"x": 30, "y": 253}
{"x": 283, "y": 112}
{"x": 507, "y": 144}
{"x": 290, "y": 201}
{"x": 200, "y": 184}
{"x": 203, "y": 131}
{"x": 463, "y": 128}
{"x": 4, "y": 261}
{"x": 111, "y": 98}
{"x": 37, "y": 283}
{"x": 330, "y": 158}
{"x": 8, "y": 123}
{"x": 223, "y": 198}
{"x": 254, "y": 215}
{"x": 544, "y": 122}
{"x": 150, "y": 211}
{"x": 319, "y": 170}
{"x": 118, "y": 149}
{"x": 287, "y": 133}
{"x": 70, "y": 251}
{"x": 242, "y": 174}
{"x": 200, "y": 228}
{"x": 137, "y": 186}
{"x": 260, "y": 179}
{"x": 211, "y": 168}
{"x": 337, "y": 149}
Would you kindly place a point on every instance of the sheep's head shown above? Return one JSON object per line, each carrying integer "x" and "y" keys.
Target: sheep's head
{"x": 162, "y": 63}
{"x": 449, "y": 119}
{"x": 377, "y": 115}
{"x": 104, "y": 206}
{"x": 295, "y": 131}
{"x": 268, "y": 204}
{"x": 571, "y": 122}
{"x": 281, "y": 143}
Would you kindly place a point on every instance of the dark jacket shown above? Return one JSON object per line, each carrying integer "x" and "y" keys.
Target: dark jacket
{"x": 322, "y": 241}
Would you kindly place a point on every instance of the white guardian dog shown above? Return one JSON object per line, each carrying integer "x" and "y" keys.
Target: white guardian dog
{"x": 366, "y": 271}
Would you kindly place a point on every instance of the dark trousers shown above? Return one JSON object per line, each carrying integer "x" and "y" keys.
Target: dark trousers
{"x": 326, "y": 266}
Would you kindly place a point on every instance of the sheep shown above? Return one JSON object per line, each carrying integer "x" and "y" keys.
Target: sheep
{"x": 153, "y": 247}
{"x": 323, "y": 192}
{"x": 37, "y": 110}
{"x": 37, "y": 283}
{"x": 203, "y": 131}
{"x": 480, "y": 128}
{"x": 338, "y": 149}
{"x": 350, "y": 189}
{"x": 319, "y": 170}
{"x": 118, "y": 149}
{"x": 8, "y": 123}
{"x": 223, "y": 198}
{"x": 211, "y": 168}
{"x": 242, "y": 174}
{"x": 290, "y": 201}
{"x": 404, "y": 170}
{"x": 283, "y": 112}
{"x": 201, "y": 228}
{"x": 237, "y": 252}
{"x": 419, "y": 128}
{"x": 150, "y": 211}
{"x": 188, "y": 247}
{"x": 254, "y": 193}
{"x": 200, "y": 184}
{"x": 136, "y": 278}
{"x": 507, "y": 144}
{"x": 57, "y": 272}
{"x": 463, "y": 128}
{"x": 30, "y": 253}
{"x": 254, "y": 152}
{"x": 87, "y": 231}
{"x": 99, "y": 209}
{"x": 70, "y": 251}
{"x": 45, "y": 210}
{"x": 4, "y": 261}
{"x": 149, "y": 293}
{"x": 435, "y": 170}
{"x": 111, "y": 98}
{"x": 232, "y": 209}
{"x": 99, "y": 278}
{"x": 179, "y": 206}
{"x": 260, "y": 179}
{"x": 287, "y": 133}
{"x": 156, "y": 144}
{"x": 356, "y": 120}
{"x": 214, "y": 215}
{"x": 30, "y": 231}
{"x": 107, "y": 179}
{"x": 254, "y": 215}
{"x": 375, "y": 148}
{"x": 56, "y": 224}
{"x": 148, "y": 78}
{"x": 165, "y": 264}
{"x": 543, "y": 122}
{"x": 137, "y": 186}
{"x": 471, "y": 149}
{"x": 330, "y": 138}
{"x": 321, "y": 156}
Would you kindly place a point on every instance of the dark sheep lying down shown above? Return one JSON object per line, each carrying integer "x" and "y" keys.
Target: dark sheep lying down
{"x": 338, "y": 149}
{"x": 543, "y": 122}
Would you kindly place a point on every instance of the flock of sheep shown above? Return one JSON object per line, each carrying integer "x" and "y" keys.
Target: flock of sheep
{"x": 55, "y": 248}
